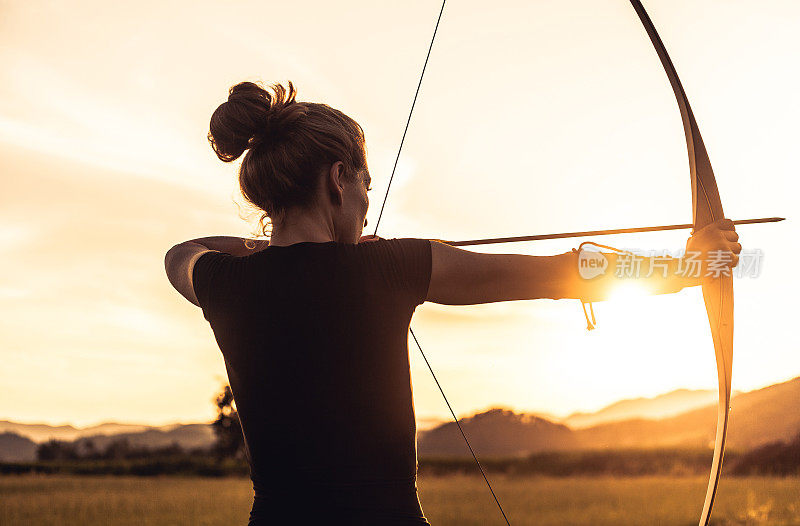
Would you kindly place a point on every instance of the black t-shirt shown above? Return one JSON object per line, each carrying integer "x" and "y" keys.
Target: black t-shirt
{"x": 315, "y": 341}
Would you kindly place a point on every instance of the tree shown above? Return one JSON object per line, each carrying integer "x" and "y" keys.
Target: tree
{"x": 227, "y": 428}
{"x": 57, "y": 450}
{"x": 119, "y": 448}
{"x": 90, "y": 449}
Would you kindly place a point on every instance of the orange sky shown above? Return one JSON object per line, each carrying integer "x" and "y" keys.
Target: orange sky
{"x": 534, "y": 117}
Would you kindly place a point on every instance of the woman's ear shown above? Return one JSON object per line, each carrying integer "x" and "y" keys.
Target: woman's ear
{"x": 334, "y": 182}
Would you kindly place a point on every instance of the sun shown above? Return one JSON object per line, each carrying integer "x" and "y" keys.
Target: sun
{"x": 627, "y": 291}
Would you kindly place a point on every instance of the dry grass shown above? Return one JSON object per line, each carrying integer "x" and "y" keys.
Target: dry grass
{"x": 447, "y": 500}
{"x": 609, "y": 501}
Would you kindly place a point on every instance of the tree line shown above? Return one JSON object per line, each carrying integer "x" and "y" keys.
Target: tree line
{"x": 226, "y": 456}
{"x": 228, "y": 443}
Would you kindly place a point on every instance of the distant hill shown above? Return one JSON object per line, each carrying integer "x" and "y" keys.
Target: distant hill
{"x": 18, "y": 442}
{"x": 44, "y": 432}
{"x": 759, "y": 417}
{"x": 763, "y": 417}
{"x": 659, "y": 407}
{"x": 188, "y": 436}
{"x": 771, "y": 414}
{"x": 425, "y": 423}
{"x": 497, "y": 432}
{"x": 16, "y": 448}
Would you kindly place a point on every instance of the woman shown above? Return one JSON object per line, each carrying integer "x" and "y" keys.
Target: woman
{"x": 313, "y": 325}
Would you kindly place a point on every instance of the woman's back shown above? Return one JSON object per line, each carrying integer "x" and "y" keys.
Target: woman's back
{"x": 314, "y": 337}
{"x": 314, "y": 328}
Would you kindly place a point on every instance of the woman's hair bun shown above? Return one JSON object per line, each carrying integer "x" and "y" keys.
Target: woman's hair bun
{"x": 289, "y": 145}
{"x": 251, "y": 115}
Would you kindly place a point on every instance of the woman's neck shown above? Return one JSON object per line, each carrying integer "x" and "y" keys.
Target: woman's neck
{"x": 299, "y": 228}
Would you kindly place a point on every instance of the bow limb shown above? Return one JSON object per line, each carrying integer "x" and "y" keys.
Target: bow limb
{"x": 717, "y": 291}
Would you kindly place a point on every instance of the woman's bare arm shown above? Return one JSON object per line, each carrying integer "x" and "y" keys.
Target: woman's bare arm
{"x": 461, "y": 277}
{"x": 180, "y": 259}
{"x": 235, "y": 246}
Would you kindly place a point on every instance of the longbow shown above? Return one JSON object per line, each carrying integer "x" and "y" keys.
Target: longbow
{"x": 717, "y": 291}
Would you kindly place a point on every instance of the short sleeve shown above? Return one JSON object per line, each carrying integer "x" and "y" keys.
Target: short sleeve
{"x": 410, "y": 261}
{"x": 206, "y": 269}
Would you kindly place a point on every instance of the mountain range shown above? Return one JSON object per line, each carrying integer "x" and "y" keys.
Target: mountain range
{"x": 681, "y": 418}
{"x": 759, "y": 417}
{"x": 659, "y": 407}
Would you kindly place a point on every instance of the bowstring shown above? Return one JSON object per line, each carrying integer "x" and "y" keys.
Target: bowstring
{"x": 458, "y": 424}
{"x": 410, "y": 330}
{"x": 408, "y": 121}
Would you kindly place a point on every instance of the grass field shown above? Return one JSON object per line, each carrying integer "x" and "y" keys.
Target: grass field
{"x": 55, "y": 500}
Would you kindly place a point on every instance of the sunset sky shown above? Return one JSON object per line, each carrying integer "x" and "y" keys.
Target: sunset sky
{"x": 534, "y": 117}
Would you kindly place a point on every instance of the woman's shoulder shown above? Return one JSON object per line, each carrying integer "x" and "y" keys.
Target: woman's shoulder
{"x": 396, "y": 242}
{"x": 402, "y": 247}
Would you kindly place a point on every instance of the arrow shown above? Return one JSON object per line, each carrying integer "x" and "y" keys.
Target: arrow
{"x": 589, "y": 233}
